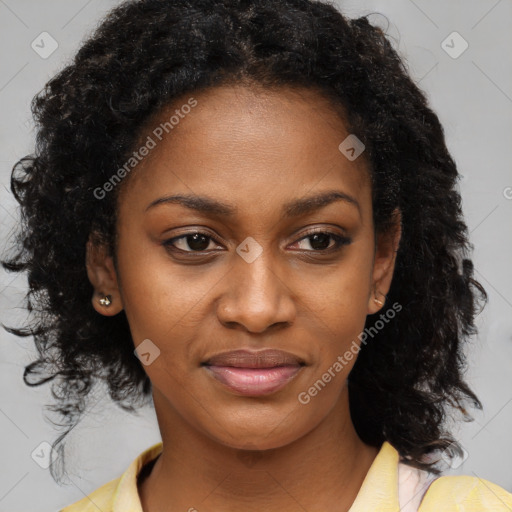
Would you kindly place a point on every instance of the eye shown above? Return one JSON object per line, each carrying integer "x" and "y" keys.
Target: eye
{"x": 195, "y": 241}
{"x": 320, "y": 241}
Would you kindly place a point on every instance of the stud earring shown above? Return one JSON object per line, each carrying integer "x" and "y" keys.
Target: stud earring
{"x": 106, "y": 301}
{"x": 379, "y": 302}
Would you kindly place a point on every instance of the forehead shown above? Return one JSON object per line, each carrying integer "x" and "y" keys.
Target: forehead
{"x": 242, "y": 142}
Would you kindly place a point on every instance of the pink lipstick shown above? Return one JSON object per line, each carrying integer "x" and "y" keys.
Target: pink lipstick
{"x": 254, "y": 373}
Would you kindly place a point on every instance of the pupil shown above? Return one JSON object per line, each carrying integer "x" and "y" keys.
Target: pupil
{"x": 324, "y": 241}
{"x": 197, "y": 242}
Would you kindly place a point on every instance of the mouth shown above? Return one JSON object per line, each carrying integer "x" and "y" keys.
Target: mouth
{"x": 254, "y": 373}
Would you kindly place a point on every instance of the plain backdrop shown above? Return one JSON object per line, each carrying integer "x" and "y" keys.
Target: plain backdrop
{"x": 471, "y": 91}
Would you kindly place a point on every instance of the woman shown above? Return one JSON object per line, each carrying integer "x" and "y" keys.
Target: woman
{"x": 246, "y": 212}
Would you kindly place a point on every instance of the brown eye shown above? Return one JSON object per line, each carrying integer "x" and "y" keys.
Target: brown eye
{"x": 193, "y": 242}
{"x": 320, "y": 241}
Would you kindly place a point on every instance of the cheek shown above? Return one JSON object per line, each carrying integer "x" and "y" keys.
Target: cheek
{"x": 339, "y": 296}
{"x": 154, "y": 297}
{"x": 337, "y": 305}
{"x": 164, "y": 302}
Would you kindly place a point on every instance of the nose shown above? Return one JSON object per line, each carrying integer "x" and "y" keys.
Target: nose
{"x": 256, "y": 297}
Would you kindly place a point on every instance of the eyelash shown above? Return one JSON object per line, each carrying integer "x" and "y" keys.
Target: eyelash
{"x": 339, "y": 242}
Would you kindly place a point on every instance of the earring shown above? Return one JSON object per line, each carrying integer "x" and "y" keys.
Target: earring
{"x": 379, "y": 302}
{"x": 106, "y": 301}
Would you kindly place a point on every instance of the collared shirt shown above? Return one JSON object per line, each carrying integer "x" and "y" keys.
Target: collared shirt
{"x": 379, "y": 491}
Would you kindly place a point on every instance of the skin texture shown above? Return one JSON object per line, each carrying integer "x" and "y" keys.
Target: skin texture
{"x": 255, "y": 150}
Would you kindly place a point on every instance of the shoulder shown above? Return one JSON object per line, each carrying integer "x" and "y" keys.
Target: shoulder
{"x": 100, "y": 499}
{"x": 465, "y": 494}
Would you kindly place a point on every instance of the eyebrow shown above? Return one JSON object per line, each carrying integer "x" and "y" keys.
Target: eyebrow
{"x": 293, "y": 208}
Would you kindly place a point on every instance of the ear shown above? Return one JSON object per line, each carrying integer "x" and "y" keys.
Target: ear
{"x": 102, "y": 275}
{"x": 386, "y": 248}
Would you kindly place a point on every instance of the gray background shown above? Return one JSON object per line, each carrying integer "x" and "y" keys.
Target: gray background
{"x": 472, "y": 95}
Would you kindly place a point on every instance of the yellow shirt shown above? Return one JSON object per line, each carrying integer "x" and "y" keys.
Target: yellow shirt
{"x": 378, "y": 493}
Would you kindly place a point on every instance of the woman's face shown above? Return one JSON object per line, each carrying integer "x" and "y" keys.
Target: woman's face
{"x": 259, "y": 170}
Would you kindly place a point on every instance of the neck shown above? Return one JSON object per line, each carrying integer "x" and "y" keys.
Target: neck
{"x": 322, "y": 470}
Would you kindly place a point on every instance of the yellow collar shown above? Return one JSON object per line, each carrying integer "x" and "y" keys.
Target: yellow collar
{"x": 380, "y": 486}
{"x": 379, "y": 490}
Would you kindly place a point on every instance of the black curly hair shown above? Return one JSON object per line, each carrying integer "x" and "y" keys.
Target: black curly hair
{"x": 147, "y": 53}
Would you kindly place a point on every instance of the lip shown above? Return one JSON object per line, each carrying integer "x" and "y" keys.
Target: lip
{"x": 254, "y": 381}
{"x": 252, "y": 373}
{"x": 243, "y": 358}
